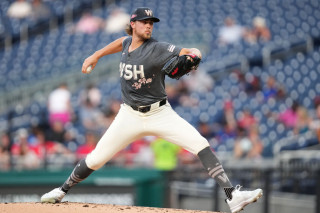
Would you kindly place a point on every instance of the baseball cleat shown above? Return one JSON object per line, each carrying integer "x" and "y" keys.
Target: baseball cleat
{"x": 54, "y": 196}
{"x": 242, "y": 198}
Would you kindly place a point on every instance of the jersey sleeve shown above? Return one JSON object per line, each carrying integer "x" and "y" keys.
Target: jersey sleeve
{"x": 166, "y": 51}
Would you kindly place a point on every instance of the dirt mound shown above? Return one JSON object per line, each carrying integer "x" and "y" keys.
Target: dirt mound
{"x": 67, "y": 207}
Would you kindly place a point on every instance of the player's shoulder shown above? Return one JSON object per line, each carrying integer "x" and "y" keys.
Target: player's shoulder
{"x": 152, "y": 41}
{"x": 126, "y": 40}
{"x": 160, "y": 44}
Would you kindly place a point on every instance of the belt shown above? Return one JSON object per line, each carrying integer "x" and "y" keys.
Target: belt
{"x": 147, "y": 108}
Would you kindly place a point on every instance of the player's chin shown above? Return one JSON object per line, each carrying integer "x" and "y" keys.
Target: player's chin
{"x": 147, "y": 36}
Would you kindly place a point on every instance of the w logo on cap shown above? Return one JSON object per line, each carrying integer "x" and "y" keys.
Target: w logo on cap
{"x": 148, "y": 12}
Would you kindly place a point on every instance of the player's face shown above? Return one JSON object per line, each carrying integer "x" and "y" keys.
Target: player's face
{"x": 143, "y": 28}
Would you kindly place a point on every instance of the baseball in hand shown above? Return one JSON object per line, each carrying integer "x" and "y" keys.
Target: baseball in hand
{"x": 89, "y": 69}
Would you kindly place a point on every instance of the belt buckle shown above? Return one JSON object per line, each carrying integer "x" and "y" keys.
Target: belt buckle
{"x": 144, "y": 109}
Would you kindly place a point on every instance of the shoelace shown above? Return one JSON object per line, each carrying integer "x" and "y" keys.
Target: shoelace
{"x": 238, "y": 187}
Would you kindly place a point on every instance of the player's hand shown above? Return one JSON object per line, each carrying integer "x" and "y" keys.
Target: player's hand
{"x": 187, "y": 51}
{"x": 196, "y": 52}
{"x": 89, "y": 64}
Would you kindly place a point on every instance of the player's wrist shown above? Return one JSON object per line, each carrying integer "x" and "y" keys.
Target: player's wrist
{"x": 97, "y": 55}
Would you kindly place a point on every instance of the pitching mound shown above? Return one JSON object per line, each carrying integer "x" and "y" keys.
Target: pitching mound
{"x": 66, "y": 207}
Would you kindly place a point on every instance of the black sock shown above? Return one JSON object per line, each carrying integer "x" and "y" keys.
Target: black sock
{"x": 213, "y": 166}
{"x": 80, "y": 172}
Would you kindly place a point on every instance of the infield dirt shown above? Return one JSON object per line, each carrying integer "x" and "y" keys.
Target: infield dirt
{"x": 68, "y": 207}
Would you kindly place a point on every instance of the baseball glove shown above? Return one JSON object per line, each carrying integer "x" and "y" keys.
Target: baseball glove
{"x": 178, "y": 66}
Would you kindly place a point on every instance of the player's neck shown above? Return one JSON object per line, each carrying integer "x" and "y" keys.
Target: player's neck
{"x": 136, "y": 42}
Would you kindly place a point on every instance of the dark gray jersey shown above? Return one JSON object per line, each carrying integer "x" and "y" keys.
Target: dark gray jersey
{"x": 142, "y": 82}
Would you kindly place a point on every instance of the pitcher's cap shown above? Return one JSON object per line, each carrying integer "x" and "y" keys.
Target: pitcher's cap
{"x": 143, "y": 13}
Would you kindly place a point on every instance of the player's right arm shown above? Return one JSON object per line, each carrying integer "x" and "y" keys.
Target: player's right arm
{"x": 113, "y": 47}
{"x": 186, "y": 51}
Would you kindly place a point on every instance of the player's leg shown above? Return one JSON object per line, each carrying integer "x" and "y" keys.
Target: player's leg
{"x": 170, "y": 126}
{"x": 123, "y": 130}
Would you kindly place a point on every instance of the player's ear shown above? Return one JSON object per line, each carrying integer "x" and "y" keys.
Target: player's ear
{"x": 132, "y": 23}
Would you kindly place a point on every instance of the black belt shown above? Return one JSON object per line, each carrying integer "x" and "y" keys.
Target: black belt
{"x": 147, "y": 108}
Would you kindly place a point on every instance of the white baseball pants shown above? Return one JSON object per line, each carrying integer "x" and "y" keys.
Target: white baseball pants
{"x": 130, "y": 125}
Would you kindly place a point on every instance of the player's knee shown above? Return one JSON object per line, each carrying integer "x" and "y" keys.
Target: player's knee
{"x": 93, "y": 163}
{"x": 202, "y": 144}
{"x": 197, "y": 145}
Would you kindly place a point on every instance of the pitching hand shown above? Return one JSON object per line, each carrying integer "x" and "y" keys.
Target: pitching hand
{"x": 89, "y": 64}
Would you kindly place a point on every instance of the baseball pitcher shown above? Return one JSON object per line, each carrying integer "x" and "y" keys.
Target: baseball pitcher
{"x": 144, "y": 64}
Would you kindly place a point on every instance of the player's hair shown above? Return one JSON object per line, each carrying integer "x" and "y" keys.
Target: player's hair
{"x": 129, "y": 29}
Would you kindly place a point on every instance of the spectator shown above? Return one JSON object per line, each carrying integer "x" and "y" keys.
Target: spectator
{"x": 246, "y": 120}
{"x": 230, "y": 33}
{"x": 252, "y": 84}
{"x": 289, "y": 116}
{"x": 23, "y": 156}
{"x": 165, "y": 154}
{"x": 199, "y": 81}
{"x": 117, "y": 21}
{"x": 4, "y": 151}
{"x": 205, "y": 130}
{"x": 248, "y": 143}
{"x": 40, "y": 11}
{"x": 315, "y": 123}
{"x": 37, "y": 142}
{"x": 140, "y": 153}
{"x": 91, "y": 94}
{"x": 88, "y": 24}
{"x": 20, "y": 9}
{"x": 70, "y": 139}
{"x": 316, "y": 101}
{"x": 184, "y": 95}
{"x": 59, "y": 105}
{"x": 257, "y": 145}
{"x": 90, "y": 143}
{"x": 56, "y": 145}
{"x": 173, "y": 95}
{"x": 259, "y": 31}
{"x": 56, "y": 133}
{"x": 225, "y": 126}
{"x": 272, "y": 89}
{"x": 111, "y": 111}
{"x": 91, "y": 118}
{"x": 303, "y": 121}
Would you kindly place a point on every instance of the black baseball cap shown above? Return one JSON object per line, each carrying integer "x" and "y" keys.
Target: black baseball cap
{"x": 143, "y": 13}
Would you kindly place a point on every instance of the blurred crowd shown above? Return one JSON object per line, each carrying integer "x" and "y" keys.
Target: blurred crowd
{"x": 231, "y": 32}
{"x": 69, "y": 133}
{"x": 88, "y": 23}
{"x": 34, "y": 10}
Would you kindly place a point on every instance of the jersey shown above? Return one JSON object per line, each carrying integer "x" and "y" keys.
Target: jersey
{"x": 142, "y": 82}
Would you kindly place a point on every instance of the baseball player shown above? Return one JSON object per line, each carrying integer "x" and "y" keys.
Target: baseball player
{"x": 145, "y": 110}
